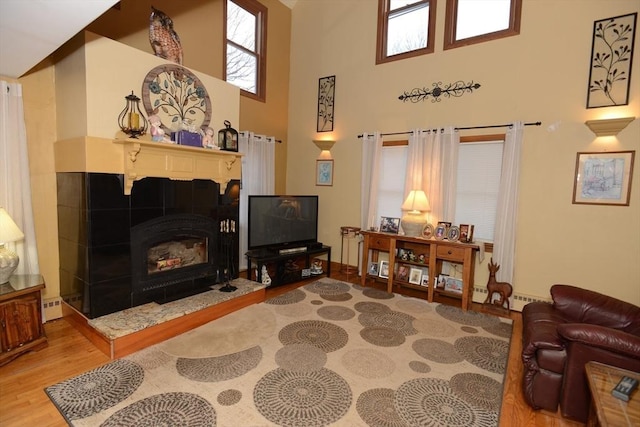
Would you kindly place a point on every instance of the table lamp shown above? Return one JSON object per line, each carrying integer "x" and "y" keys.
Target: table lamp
{"x": 414, "y": 221}
{"x": 9, "y": 232}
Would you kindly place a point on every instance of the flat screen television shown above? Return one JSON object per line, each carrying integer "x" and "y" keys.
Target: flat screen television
{"x": 282, "y": 221}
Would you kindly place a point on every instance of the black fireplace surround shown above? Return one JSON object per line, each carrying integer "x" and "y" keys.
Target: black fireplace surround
{"x": 104, "y": 237}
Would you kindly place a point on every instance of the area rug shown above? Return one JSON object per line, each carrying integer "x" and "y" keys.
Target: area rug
{"x": 328, "y": 353}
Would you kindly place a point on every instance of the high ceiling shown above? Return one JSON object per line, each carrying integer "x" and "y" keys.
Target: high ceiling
{"x": 31, "y": 30}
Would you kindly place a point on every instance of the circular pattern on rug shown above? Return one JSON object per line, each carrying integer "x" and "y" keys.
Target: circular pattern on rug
{"x": 150, "y": 358}
{"x": 501, "y": 329}
{"x": 229, "y": 397}
{"x": 382, "y": 336}
{"x": 434, "y": 327}
{"x": 371, "y": 307}
{"x": 98, "y": 389}
{"x": 486, "y": 353}
{"x": 294, "y": 310}
{"x": 377, "y": 293}
{"x": 220, "y": 368}
{"x": 336, "y": 312}
{"x": 168, "y": 409}
{"x": 376, "y": 408}
{"x": 299, "y": 399}
{"x": 301, "y": 358}
{"x": 437, "y": 351}
{"x": 337, "y": 297}
{"x": 414, "y": 305}
{"x": 471, "y": 318}
{"x": 431, "y": 402}
{"x": 368, "y": 363}
{"x": 328, "y": 287}
{"x": 469, "y": 329}
{"x": 324, "y": 335}
{"x": 401, "y": 322}
{"x": 290, "y": 297}
{"x": 478, "y": 390}
{"x": 419, "y": 367}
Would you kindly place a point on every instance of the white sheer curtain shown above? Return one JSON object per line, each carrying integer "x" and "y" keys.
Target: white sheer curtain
{"x": 15, "y": 181}
{"x": 258, "y": 177}
{"x": 431, "y": 166}
{"x": 371, "y": 153}
{"x": 504, "y": 242}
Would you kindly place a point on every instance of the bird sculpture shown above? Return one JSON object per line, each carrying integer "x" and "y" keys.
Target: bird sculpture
{"x": 163, "y": 38}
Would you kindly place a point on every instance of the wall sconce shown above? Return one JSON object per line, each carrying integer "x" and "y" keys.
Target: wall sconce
{"x": 325, "y": 146}
{"x": 608, "y": 127}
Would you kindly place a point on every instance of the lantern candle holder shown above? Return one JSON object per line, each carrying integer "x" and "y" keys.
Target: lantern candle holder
{"x": 131, "y": 120}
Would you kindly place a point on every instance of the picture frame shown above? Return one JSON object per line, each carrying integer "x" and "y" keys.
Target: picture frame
{"x": 324, "y": 172}
{"x": 440, "y": 280}
{"x": 403, "y": 272}
{"x": 466, "y": 233}
{"x": 383, "y": 270}
{"x": 425, "y": 280}
{"x": 611, "y": 61}
{"x": 453, "y": 233}
{"x": 603, "y": 178}
{"x": 427, "y": 231}
{"x": 440, "y": 232}
{"x": 389, "y": 224}
{"x": 453, "y": 284}
{"x": 326, "y": 99}
{"x": 373, "y": 269}
{"x": 415, "y": 276}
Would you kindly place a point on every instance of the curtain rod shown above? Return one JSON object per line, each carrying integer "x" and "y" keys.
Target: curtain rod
{"x": 462, "y": 128}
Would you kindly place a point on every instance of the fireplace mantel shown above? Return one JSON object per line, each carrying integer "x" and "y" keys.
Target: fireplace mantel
{"x": 137, "y": 159}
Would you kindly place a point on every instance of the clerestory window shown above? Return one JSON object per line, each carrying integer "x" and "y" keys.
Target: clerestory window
{"x": 245, "y": 47}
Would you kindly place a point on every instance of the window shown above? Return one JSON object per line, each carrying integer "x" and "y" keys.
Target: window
{"x": 405, "y": 29}
{"x": 391, "y": 183}
{"x": 245, "y": 47}
{"x": 477, "y": 21}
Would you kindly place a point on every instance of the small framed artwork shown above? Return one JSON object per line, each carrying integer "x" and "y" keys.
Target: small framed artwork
{"x": 603, "y": 178}
{"x": 326, "y": 99}
{"x": 440, "y": 231}
{"x": 425, "y": 280}
{"x": 427, "y": 231}
{"x": 324, "y": 172}
{"x": 451, "y": 284}
{"x": 466, "y": 233}
{"x": 453, "y": 234}
{"x": 403, "y": 272}
{"x": 373, "y": 268}
{"x": 389, "y": 225}
{"x": 383, "y": 270}
{"x": 440, "y": 280}
{"x": 415, "y": 276}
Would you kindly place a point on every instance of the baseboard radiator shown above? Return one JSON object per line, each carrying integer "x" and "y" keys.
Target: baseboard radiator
{"x": 517, "y": 300}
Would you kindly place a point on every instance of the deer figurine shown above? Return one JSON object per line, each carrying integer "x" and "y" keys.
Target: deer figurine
{"x": 504, "y": 289}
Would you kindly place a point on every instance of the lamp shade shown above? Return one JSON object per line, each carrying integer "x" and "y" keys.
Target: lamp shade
{"x": 9, "y": 231}
{"x": 416, "y": 201}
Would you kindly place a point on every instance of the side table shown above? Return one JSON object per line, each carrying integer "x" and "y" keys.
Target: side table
{"x": 21, "y": 316}
{"x": 607, "y": 410}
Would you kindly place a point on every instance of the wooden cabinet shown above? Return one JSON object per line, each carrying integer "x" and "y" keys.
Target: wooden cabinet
{"x": 287, "y": 267}
{"x": 428, "y": 255}
{"x": 21, "y": 328}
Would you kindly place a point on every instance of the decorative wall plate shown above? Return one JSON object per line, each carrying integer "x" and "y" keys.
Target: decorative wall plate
{"x": 178, "y": 97}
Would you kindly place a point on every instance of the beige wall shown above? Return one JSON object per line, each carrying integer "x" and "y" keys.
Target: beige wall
{"x": 540, "y": 75}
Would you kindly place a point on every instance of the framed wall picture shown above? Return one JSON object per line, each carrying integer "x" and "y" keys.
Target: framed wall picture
{"x": 611, "y": 59}
{"x": 389, "y": 225}
{"x": 603, "y": 178}
{"x": 324, "y": 172}
{"x": 383, "y": 270}
{"x": 326, "y": 98}
{"x": 415, "y": 276}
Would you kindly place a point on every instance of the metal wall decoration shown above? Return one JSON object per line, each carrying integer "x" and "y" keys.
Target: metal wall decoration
{"x": 611, "y": 59}
{"x": 326, "y": 97}
{"x": 456, "y": 89}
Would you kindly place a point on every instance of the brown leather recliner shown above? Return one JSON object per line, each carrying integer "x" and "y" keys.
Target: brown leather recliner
{"x": 560, "y": 338}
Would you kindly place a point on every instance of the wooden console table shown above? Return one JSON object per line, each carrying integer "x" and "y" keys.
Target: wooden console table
{"x": 21, "y": 316}
{"x": 433, "y": 254}
{"x": 607, "y": 410}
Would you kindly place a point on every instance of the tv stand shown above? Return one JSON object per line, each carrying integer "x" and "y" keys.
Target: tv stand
{"x": 290, "y": 266}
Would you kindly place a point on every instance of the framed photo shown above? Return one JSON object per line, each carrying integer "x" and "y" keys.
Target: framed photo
{"x": 440, "y": 280}
{"x": 326, "y": 98}
{"x": 440, "y": 231}
{"x": 389, "y": 225}
{"x": 603, "y": 178}
{"x": 403, "y": 272}
{"x": 425, "y": 280}
{"x": 427, "y": 231}
{"x": 466, "y": 233}
{"x": 451, "y": 284}
{"x": 324, "y": 172}
{"x": 383, "y": 270}
{"x": 373, "y": 269}
{"x": 611, "y": 59}
{"x": 415, "y": 276}
{"x": 453, "y": 234}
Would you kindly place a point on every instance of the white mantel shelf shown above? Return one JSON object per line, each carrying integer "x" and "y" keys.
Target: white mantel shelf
{"x": 137, "y": 159}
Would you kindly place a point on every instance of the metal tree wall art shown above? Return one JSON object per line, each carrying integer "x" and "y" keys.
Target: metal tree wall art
{"x": 456, "y": 89}
{"x": 611, "y": 59}
{"x": 326, "y": 96}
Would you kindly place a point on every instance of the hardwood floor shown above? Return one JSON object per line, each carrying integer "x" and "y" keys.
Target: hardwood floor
{"x": 23, "y": 401}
